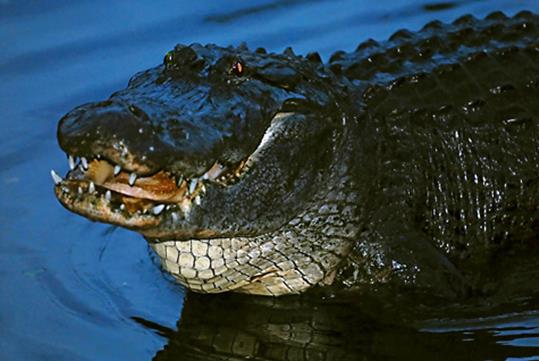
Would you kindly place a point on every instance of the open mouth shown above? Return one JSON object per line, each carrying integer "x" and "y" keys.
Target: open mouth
{"x": 102, "y": 191}
{"x": 158, "y": 205}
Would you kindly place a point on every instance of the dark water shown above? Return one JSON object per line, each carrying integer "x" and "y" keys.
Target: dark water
{"x": 74, "y": 290}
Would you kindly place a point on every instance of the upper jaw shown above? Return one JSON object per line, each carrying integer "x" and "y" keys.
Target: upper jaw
{"x": 143, "y": 137}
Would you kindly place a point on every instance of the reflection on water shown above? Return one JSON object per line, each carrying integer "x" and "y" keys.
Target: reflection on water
{"x": 74, "y": 290}
{"x": 235, "y": 327}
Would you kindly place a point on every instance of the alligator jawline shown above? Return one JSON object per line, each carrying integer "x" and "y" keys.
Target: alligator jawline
{"x": 103, "y": 192}
{"x": 98, "y": 190}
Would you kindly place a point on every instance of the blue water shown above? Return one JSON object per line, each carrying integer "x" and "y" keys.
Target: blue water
{"x": 75, "y": 290}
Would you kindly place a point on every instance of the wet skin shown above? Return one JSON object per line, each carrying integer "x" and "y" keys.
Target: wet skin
{"x": 410, "y": 162}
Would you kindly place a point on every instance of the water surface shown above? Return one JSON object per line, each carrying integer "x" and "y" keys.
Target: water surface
{"x": 71, "y": 289}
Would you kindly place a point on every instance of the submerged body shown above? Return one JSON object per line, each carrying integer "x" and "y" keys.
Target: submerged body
{"x": 410, "y": 162}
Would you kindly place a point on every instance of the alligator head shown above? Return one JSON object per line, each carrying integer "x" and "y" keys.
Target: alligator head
{"x": 221, "y": 158}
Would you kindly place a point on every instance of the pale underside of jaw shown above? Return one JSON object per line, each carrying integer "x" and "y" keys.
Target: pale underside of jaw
{"x": 269, "y": 264}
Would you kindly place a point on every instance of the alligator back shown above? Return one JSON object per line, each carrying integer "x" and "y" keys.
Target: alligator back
{"x": 436, "y": 45}
{"x": 452, "y": 118}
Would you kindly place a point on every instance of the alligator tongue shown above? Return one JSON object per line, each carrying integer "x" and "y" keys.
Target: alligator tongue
{"x": 158, "y": 187}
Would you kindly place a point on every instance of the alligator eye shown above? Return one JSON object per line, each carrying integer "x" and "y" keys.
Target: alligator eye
{"x": 169, "y": 58}
{"x": 237, "y": 68}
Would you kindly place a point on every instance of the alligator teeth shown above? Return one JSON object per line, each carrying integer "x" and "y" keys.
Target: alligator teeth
{"x": 91, "y": 187}
{"x": 158, "y": 209}
{"x": 213, "y": 172}
{"x": 175, "y": 217}
{"x": 197, "y": 200}
{"x": 122, "y": 207}
{"x": 55, "y": 177}
{"x": 180, "y": 181}
{"x": 117, "y": 170}
{"x": 108, "y": 195}
{"x": 79, "y": 189}
{"x": 84, "y": 162}
{"x": 193, "y": 186}
{"x": 72, "y": 163}
{"x": 132, "y": 178}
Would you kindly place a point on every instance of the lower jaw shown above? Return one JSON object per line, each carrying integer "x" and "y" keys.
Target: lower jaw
{"x": 151, "y": 218}
{"x": 96, "y": 190}
{"x": 99, "y": 207}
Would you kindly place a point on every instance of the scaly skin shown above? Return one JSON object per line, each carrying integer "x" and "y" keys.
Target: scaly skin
{"x": 408, "y": 162}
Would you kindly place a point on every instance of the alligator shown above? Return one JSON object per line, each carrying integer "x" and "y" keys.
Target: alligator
{"x": 411, "y": 162}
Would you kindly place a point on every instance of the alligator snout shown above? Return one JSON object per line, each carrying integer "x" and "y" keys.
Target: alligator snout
{"x": 115, "y": 130}
{"x": 143, "y": 138}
